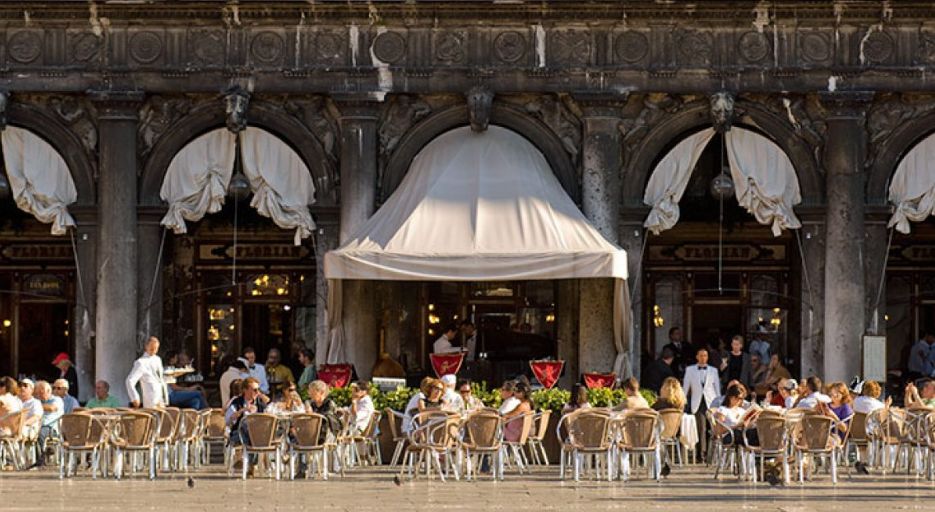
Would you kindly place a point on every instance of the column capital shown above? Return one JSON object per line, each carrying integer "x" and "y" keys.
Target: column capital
{"x": 361, "y": 107}
{"x": 117, "y": 105}
{"x": 846, "y": 104}
{"x": 601, "y": 105}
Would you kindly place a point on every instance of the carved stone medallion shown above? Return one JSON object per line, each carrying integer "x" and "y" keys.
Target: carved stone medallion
{"x": 449, "y": 47}
{"x": 145, "y": 47}
{"x": 206, "y": 47}
{"x": 389, "y": 47}
{"x": 631, "y": 47}
{"x": 267, "y": 47}
{"x": 754, "y": 46}
{"x": 877, "y": 47}
{"x": 814, "y": 47}
{"x": 570, "y": 47}
{"x": 695, "y": 48}
{"x": 25, "y": 46}
{"x": 84, "y": 46}
{"x": 509, "y": 46}
{"x": 329, "y": 47}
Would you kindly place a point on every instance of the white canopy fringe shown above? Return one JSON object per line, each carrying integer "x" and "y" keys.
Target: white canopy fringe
{"x": 912, "y": 189}
{"x": 669, "y": 180}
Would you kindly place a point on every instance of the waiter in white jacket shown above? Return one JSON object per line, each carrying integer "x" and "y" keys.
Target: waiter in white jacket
{"x": 148, "y": 372}
{"x": 702, "y": 385}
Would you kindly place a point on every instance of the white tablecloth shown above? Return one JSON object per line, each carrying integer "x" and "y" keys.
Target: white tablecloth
{"x": 688, "y": 435}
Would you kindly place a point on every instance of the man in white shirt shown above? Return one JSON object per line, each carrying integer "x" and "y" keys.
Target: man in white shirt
{"x": 236, "y": 371}
{"x": 453, "y": 400}
{"x": 32, "y": 408}
{"x": 361, "y": 406}
{"x": 52, "y": 410}
{"x": 701, "y": 384}
{"x": 470, "y": 340}
{"x": 813, "y": 396}
{"x": 149, "y": 373}
{"x": 443, "y": 344}
{"x": 257, "y": 371}
{"x": 510, "y": 402}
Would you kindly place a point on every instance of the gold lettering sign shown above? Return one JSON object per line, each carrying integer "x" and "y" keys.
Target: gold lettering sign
{"x": 32, "y": 252}
{"x": 704, "y": 252}
{"x": 248, "y": 251}
{"x": 919, "y": 253}
{"x": 44, "y": 284}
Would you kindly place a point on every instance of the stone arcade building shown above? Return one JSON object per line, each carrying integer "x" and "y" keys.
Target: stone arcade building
{"x": 603, "y": 89}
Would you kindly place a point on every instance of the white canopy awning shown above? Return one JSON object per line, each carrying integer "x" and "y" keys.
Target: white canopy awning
{"x": 912, "y": 189}
{"x": 480, "y": 207}
{"x": 39, "y": 178}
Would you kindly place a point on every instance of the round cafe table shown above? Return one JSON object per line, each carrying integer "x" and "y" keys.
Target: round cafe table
{"x": 688, "y": 435}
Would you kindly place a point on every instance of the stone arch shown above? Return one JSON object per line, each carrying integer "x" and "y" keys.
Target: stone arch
{"x": 697, "y": 117}
{"x": 905, "y": 137}
{"x": 209, "y": 116}
{"x": 436, "y": 124}
{"x": 64, "y": 141}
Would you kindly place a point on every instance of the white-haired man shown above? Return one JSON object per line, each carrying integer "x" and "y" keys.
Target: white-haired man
{"x": 60, "y": 389}
{"x": 452, "y": 398}
{"x": 52, "y": 410}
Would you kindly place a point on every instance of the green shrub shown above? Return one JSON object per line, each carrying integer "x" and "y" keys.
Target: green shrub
{"x": 340, "y": 396}
{"x": 551, "y": 399}
{"x": 396, "y": 399}
{"x": 649, "y": 396}
{"x": 602, "y": 397}
{"x": 490, "y": 398}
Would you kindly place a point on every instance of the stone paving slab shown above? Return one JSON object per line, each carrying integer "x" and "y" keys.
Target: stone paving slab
{"x": 374, "y": 489}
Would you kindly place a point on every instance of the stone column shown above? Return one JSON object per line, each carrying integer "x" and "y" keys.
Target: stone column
{"x": 631, "y": 240}
{"x": 326, "y": 239}
{"x": 83, "y": 317}
{"x": 149, "y": 301}
{"x": 877, "y": 239}
{"x": 358, "y": 202}
{"x": 117, "y": 289}
{"x": 811, "y": 293}
{"x": 844, "y": 240}
{"x": 600, "y": 201}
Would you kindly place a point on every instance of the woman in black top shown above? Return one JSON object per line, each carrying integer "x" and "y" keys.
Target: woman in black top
{"x": 320, "y": 403}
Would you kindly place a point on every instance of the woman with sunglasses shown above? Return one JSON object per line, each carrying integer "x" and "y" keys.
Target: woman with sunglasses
{"x": 290, "y": 402}
{"x": 468, "y": 400}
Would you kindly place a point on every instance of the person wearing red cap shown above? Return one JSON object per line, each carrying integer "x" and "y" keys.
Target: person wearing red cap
{"x": 67, "y": 371}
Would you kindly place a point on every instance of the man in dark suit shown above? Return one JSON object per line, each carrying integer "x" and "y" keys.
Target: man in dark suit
{"x": 659, "y": 370}
{"x": 680, "y": 351}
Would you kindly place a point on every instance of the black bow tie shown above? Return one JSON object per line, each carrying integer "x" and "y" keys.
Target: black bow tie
{"x": 702, "y": 367}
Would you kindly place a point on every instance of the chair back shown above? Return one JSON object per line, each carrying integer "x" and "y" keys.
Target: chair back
{"x": 588, "y": 429}
{"x": 858, "y": 428}
{"x": 542, "y": 425}
{"x": 137, "y": 429}
{"x": 175, "y": 418}
{"x": 371, "y": 429}
{"x": 261, "y": 429}
{"x": 526, "y": 422}
{"x": 16, "y": 421}
{"x": 816, "y": 432}
{"x": 75, "y": 429}
{"x": 914, "y": 431}
{"x": 484, "y": 430}
{"x": 887, "y": 425}
{"x": 394, "y": 422}
{"x": 641, "y": 429}
{"x": 771, "y": 431}
{"x": 434, "y": 429}
{"x": 189, "y": 425}
{"x": 671, "y": 423}
{"x": 215, "y": 426}
{"x": 306, "y": 430}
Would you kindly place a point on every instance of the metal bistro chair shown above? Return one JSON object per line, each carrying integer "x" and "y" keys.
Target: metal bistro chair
{"x": 774, "y": 442}
{"x": 818, "y": 438}
{"x": 11, "y": 443}
{"x": 79, "y": 436}
{"x": 913, "y": 440}
{"x": 262, "y": 432}
{"x": 188, "y": 438}
{"x": 306, "y": 440}
{"x": 514, "y": 449}
{"x": 483, "y": 436}
{"x": 887, "y": 429}
{"x": 640, "y": 435}
{"x": 669, "y": 437}
{"x": 589, "y": 436}
{"x": 435, "y": 434}
{"x": 395, "y": 419}
{"x": 859, "y": 437}
{"x": 135, "y": 433}
{"x": 214, "y": 433}
{"x": 726, "y": 455}
{"x": 537, "y": 453}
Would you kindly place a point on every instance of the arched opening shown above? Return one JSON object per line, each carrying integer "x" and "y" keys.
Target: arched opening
{"x": 37, "y": 264}
{"x": 239, "y": 270}
{"x": 724, "y": 261}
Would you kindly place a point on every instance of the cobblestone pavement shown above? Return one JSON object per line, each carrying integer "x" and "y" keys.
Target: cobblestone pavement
{"x": 374, "y": 489}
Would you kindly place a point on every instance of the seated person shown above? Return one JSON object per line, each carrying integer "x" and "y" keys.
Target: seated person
{"x": 248, "y": 402}
{"x": 579, "y": 399}
{"x": 671, "y": 396}
{"x": 102, "y": 398}
{"x": 235, "y": 370}
{"x": 289, "y": 403}
{"x": 60, "y": 389}
{"x": 634, "y": 400}
{"x": 412, "y": 407}
{"x": 452, "y": 399}
{"x": 512, "y": 424}
{"x": 869, "y": 399}
{"x": 469, "y": 402}
{"x": 32, "y": 407}
{"x": 320, "y": 403}
{"x": 52, "y": 410}
{"x": 732, "y": 415}
{"x": 9, "y": 404}
{"x": 717, "y": 402}
{"x": 278, "y": 374}
{"x": 813, "y": 395}
{"x": 509, "y": 402}
{"x": 180, "y": 395}
{"x": 839, "y": 408}
{"x": 920, "y": 394}
{"x": 433, "y": 396}
{"x": 361, "y": 406}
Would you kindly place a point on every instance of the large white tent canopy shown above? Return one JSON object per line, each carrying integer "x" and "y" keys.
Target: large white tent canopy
{"x": 39, "y": 178}
{"x": 912, "y": 189}
{"x": 765, "y": 181}
{"x": 479, "y": 207}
